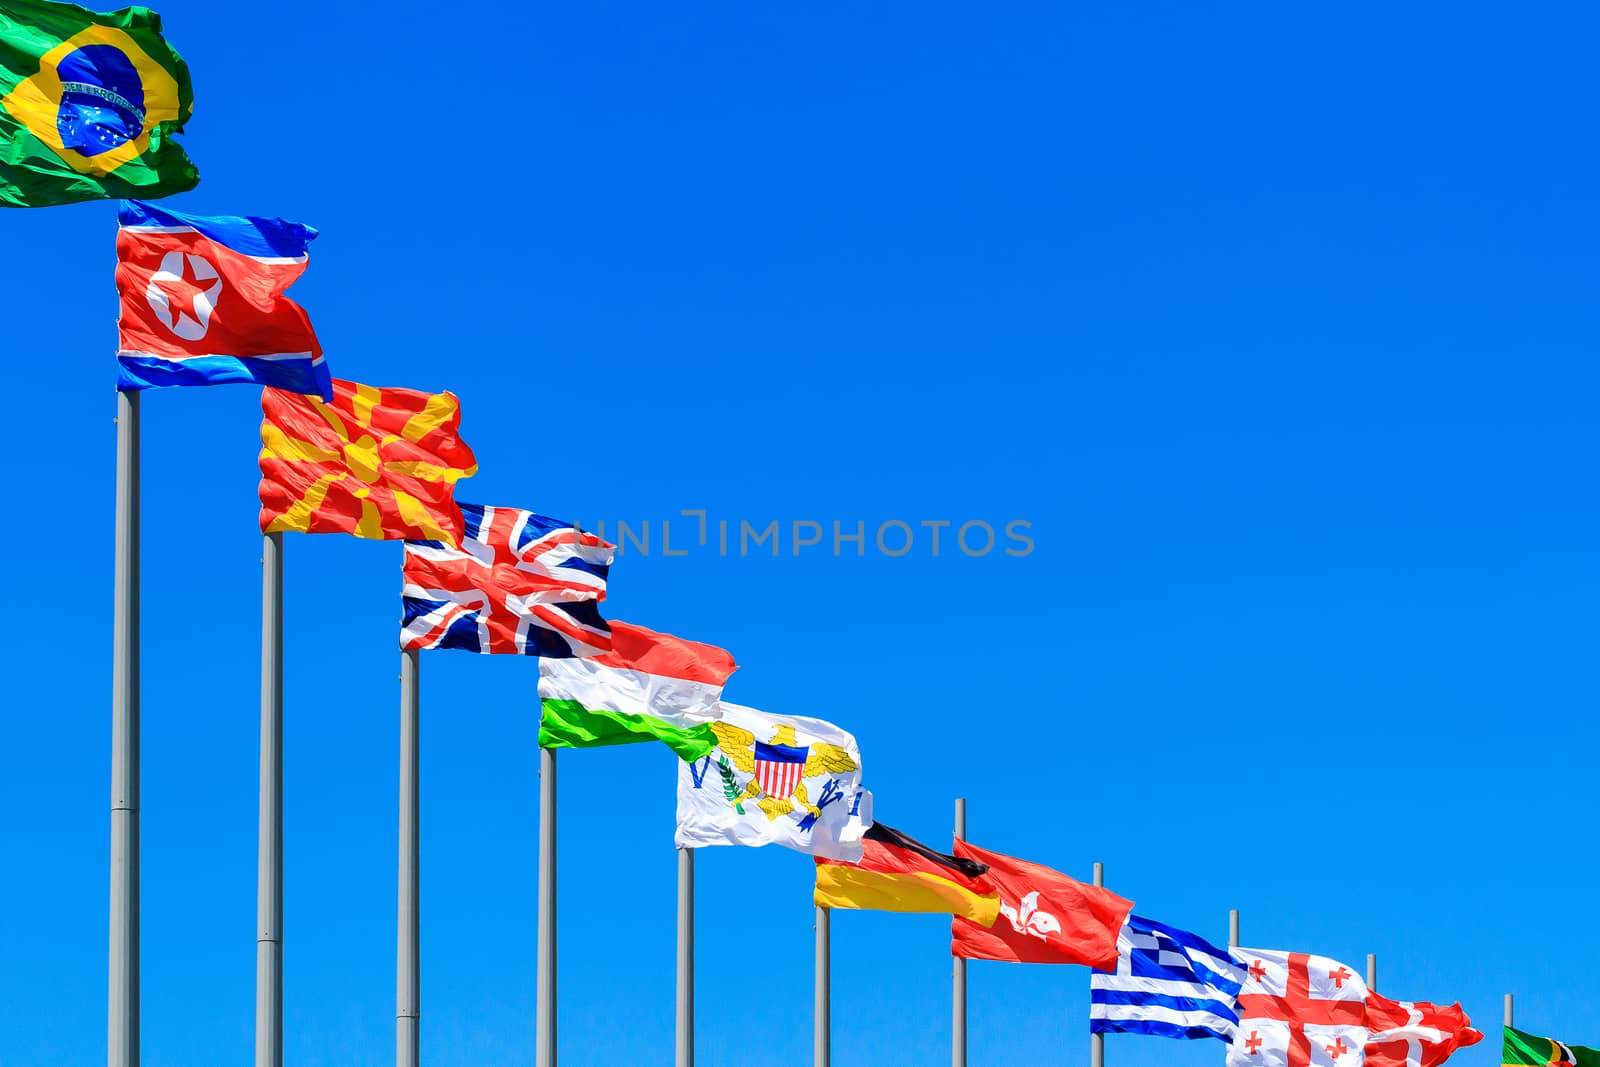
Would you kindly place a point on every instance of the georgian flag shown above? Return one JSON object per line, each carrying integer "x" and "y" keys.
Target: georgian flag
{"x": 1298, "y": 1010}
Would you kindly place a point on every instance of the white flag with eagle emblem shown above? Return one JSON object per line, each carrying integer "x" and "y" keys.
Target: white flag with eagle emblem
{"x": 775, "y": 779}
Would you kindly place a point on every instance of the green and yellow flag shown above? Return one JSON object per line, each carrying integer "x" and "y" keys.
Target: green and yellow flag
{"x": 1521, "y": 1049}
{"x": 88, "y": 106}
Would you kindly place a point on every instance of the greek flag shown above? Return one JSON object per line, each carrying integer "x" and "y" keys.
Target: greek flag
{"x": 1168, "y": 983}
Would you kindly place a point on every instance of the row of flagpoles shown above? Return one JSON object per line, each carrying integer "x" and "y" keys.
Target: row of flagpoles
{"x": 347, "y": 468}
{"x": 123, "y": 1000}
{"x": 185, "y": 282}
{"x": 202, "y": 303}
{"x": 78, "y": 138}
{"x": 348, "y": 412}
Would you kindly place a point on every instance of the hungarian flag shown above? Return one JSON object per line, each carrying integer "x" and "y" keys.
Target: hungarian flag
{"x": 89, "y": 104}
{"x": 1519, "y": 1048}
{"x": 1296, "y": 1010}
{"x": 1046, "y": 917}
{"x": 649, "y": 687}
{"x": 900, "y": 873}
{"x": 203, "y": 303}
{"x": 380, "y": 463}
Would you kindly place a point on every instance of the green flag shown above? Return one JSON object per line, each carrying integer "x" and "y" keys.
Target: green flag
{"x": 88, "y": 106}
{"x": 1521, "y": 1048}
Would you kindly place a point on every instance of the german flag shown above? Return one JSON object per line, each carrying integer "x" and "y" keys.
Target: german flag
{"x": 900, "y": 873}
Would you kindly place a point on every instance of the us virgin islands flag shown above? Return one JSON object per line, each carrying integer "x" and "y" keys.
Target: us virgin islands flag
{"x": 775, "y": 780}
{"x": 1168, "y": 983}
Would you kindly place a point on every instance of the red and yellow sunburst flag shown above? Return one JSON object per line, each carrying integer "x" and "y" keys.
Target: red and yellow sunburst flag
{"x": 380, "y": 463}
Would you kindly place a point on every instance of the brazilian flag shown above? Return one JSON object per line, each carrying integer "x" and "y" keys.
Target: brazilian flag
{"x": 1520, "y": 1048}
{"x": 88, "y": 106}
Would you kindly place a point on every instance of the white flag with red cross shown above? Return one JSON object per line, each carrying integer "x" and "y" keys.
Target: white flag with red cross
{"x": 1419, "y": 1034}
{"x": 1297, "y": 1010}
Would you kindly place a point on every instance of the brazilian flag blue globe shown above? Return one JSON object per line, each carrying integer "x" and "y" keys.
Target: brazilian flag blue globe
{"x": 89, "y": 104}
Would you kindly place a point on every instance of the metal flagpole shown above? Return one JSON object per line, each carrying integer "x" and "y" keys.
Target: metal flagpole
{"x": 1233, "y": 928}
{"x": 408, "y": 970}
{"x": 545, "y": 1010}
{"x": 958, "y": 969}
{"x": 1097, "y": 1042}
{"x": 1508, "y": 1010}
{"x": 122, "y": 998}
{"x": 685, "y": 957}
{"x": 269, "y": 833}
{"x": 820, "y": 1035}
{"x": 1372, "y": 971}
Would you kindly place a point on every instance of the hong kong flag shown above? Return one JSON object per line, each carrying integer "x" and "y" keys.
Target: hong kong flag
{"x": 1045, "y": 917}
{"x": 203, "y": 303}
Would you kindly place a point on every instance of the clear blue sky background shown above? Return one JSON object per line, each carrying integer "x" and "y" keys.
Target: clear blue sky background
{"x": 1278, "y": 326}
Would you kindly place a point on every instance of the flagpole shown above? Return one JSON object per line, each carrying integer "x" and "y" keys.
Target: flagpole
{"x": 1508, "y": 1010}
{"x": 545, "y": 1009}
{"x": 408, "y": 971}
{"x": 958, "y": 970}
{"x": 1372, "y": 971}
{"x": 685, "y": 1057}
{"x": 122, "y": 999}
{"x": 269, "y": 835}
{"x": 1233, "y": 928}
{"x": 1097, "y": 1042}
{"x": 821, "y": 1036}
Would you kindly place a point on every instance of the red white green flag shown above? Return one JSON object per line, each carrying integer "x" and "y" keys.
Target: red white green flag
{"x": 649, "y": 687}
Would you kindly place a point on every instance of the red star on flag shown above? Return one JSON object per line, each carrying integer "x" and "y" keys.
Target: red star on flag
{"x": 184, "y": 291}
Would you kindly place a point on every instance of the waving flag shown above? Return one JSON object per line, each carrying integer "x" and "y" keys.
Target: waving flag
{"x": 203, "y": 304}
{"x": 1296, "y": 1010}
{"x": 88, "y": 106}
{"x": 380, "y": 463}
{"x": 650, "y": 686}
{"x": 896, "y": 872}
{"x": 520, "y": 585}
{"x": 1046, "y": 917}
{"x": 1518, "y": 1049}
{"x": 775, "y": 780}
{"x": 1167, "y": 983}
{"x": 1414, "y": 1034}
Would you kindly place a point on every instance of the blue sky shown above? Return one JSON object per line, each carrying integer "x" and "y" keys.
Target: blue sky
{"x": 1275, "y": 324}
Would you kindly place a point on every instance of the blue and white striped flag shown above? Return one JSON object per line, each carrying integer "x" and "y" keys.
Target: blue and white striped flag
{"x": 1168, "y": 983}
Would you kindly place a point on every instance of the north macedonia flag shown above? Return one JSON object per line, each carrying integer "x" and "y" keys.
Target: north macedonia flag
{"x": 379, "y": 463}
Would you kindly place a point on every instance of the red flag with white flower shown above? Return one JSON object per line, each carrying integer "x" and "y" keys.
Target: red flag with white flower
{"x": 1298, "y": 1010}
{"x": 1045, "y": 916}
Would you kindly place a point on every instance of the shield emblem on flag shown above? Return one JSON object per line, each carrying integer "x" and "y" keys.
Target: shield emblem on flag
{"x": 779, "y": 768}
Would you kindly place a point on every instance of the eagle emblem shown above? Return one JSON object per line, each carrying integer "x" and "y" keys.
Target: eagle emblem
{"x": 778, "y": 768}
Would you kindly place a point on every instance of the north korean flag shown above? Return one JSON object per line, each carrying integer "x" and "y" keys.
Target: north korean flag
{"x": 203, "y": 303}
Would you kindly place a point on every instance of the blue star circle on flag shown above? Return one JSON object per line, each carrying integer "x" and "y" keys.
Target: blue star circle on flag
{"x": 102, "y": 99}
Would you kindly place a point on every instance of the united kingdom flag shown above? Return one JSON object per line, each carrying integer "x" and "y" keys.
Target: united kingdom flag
{"x": 521, "y": 584}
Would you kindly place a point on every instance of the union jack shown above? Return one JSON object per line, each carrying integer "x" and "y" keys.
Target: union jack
{"x": 520, "y": 584}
